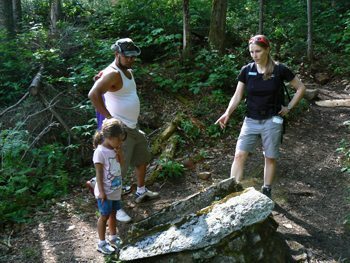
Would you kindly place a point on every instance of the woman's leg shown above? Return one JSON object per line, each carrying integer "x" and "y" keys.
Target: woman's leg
{"x": 237, "y": 167}
{"x": 269, "y": 171}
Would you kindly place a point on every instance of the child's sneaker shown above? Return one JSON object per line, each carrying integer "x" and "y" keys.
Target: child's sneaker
{"x": 116, "y": 243}
{"x": 147, "y": 195}
{"x": 122, "y": 216}
{"x": 105, "y": 248}
{"x": 266, "y": 191}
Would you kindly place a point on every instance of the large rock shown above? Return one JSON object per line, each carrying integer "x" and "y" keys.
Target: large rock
{"x": 236, "y": 228}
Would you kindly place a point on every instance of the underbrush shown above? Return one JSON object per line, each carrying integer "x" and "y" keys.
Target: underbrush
{"x": 344, "y": 149}
{"x": 32, "y": 177}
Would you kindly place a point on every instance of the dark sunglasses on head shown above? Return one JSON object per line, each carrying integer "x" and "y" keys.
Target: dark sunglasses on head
{"x": 259, "y": 39}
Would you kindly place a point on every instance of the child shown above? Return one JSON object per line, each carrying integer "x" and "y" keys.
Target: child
{"x": 107, "y": 160}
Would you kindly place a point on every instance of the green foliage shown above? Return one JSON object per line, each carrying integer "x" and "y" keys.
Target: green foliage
{"x": 14, "y": 73}
{"x": 29, "y": 175}
{"x": 170, "y": 169}
{"x": 190, "y": 129}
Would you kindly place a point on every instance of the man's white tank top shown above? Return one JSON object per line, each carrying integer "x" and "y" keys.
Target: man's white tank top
{"x": 123, "y": 104}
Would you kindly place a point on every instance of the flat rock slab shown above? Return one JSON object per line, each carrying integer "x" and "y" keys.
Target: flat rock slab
{"x": 205, "y": 228}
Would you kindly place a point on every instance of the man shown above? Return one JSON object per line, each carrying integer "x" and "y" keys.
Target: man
{"x": 114, "y": 95}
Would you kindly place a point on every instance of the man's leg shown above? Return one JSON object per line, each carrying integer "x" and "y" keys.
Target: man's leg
{"x": 237, "y": 167}
{"x": 140, "y": 171}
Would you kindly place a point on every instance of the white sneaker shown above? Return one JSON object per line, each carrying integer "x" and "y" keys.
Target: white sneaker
{"x": 122, "y": 216}
{"x": 147, "y": 195}
{"x": 105, "y": 248}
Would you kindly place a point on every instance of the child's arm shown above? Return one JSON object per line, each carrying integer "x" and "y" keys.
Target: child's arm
{"x": 99, "y": 180}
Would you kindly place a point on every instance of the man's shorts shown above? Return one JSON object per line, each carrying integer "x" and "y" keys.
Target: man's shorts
{"x": 135, "y": 149}
{"x": 108, "y": 206}
{"x": 270, "y": 132}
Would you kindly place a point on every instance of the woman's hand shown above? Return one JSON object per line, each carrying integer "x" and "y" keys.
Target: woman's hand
{"x": 284, "y": 111}
{"x": 223, "y": 120}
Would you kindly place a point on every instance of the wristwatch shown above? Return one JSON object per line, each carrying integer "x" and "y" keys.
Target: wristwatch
{"x": 289, "y": 107}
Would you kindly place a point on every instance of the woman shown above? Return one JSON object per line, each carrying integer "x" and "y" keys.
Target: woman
{"x": 261, "y": 82}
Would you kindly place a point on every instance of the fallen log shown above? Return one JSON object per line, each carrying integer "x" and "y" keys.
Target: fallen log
{"x": 167, "y": 154}
{"x": 334, "y": 103}
{"x": 36, "y": 82}
{"x": 33, "y": 90}
{"x": 165, "y": 135}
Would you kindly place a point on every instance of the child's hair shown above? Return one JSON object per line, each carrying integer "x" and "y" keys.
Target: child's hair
{"x": 110, "y": 128}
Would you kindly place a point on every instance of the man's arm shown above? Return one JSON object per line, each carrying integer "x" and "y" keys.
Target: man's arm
{"x": 110, "y": 82}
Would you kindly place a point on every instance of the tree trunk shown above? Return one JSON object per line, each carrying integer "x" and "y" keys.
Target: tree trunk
{"x": 17, "y": 14}
{"x": 309, "y": 31}
{"x": 261, "y": 17}
{"x": 55, "y": 14}
{"x": 6, "y": 18}
{"x": 218, "y": 24}
{"x": 186, "y": 30}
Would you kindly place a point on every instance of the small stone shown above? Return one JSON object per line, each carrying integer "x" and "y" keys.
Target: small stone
{"x": 204, "y": 175}
{"x": 70, "y": 228}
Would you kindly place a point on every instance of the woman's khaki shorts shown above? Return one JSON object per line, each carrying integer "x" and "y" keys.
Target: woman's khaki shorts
{"x": 135, "y": 149}
{"x": 270, "y": 132}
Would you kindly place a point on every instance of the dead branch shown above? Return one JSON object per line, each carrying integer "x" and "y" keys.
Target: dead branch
{"x": 40, "y": 135}
{"x": 8, "y": 243}
{"x": 15, "y": 105}
{"x": 33, "y": 90}
{"x": 59, "y": 118}
{"x": 334, "y": 103}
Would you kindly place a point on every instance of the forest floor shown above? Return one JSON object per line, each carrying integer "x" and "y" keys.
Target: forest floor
{"x": 311, "y": 195}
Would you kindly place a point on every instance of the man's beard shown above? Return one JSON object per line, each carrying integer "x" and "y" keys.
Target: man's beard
{"x": 121, "y": 66}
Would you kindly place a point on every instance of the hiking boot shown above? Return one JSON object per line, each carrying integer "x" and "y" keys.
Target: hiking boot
{"x": 147, "y": 195}
{"x": 105, "y": 248}
{"x": 122, "y": 216}
{"x": 116, "y": 243}
{"x": 126, "y": 189}
{"x": 266, "y": 191}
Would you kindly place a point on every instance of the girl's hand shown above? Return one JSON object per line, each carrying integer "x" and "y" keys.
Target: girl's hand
{"x": 103, "y": 197}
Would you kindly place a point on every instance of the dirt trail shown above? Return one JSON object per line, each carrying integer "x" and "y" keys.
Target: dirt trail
{"x": 310, "y": 194}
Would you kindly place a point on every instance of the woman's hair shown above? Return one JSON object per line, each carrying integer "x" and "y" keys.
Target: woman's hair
{"x": 110, "y": 128}
{"x": 262, "y": 41}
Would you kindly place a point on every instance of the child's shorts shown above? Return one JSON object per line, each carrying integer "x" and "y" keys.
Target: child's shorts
{"x": 108, "y": 206}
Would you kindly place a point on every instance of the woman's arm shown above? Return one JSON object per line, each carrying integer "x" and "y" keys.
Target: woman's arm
{"x": 300, "y": 90}
{"x": 234, "y": 102}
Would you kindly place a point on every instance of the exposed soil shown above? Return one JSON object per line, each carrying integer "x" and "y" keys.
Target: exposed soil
{"x": 310, "y": 192}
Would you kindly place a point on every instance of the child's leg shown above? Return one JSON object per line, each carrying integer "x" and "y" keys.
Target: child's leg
{"x": 101, "y": 227}
{"x": 105, "y": 209}
{"x": 112, "y": 223}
